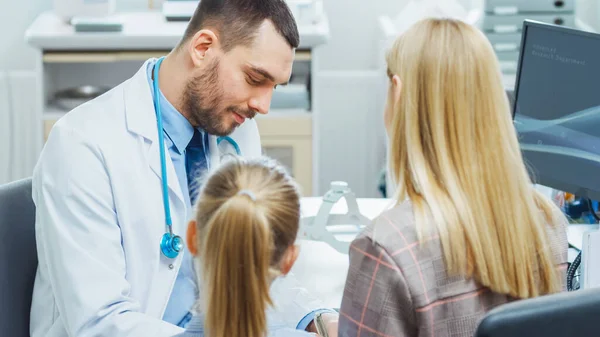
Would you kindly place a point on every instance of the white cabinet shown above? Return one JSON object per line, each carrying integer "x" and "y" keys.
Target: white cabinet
{"x": 287, "y": 136}
{"x": 70, "y": 60}
{"x": 503, "y": 23}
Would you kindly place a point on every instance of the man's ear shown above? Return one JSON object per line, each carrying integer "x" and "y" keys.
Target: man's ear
{"x": 396, "y": 88}
{"x": 204, "y": 42}
{"x": 289, "y": 258}
{"x": 191, "y": 238}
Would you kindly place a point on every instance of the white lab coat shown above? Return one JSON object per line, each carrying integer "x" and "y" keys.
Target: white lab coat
{"x": 99, "y": 221}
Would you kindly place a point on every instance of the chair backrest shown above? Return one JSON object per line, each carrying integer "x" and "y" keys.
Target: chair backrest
{"x": 18, "y": 257}
{"x": 561, "y": 315}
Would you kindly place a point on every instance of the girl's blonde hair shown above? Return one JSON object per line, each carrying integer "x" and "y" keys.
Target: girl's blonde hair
{"x": 454, "y": 153}
{"x": 248, "y": 215}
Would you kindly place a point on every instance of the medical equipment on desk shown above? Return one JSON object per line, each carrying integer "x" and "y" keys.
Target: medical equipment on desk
{"x": 70, "y": 98}
{"x": 68, "y": 9}
{"x": 171, "y": 244}
{"x": 89, "y": 16}
{"x": 337, "y": 230}
{"x": 306, "y": 12}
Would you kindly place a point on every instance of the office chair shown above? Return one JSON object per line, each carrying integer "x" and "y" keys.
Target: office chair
{"x": 18, "y": 257}
{"x": 568, "y": 314}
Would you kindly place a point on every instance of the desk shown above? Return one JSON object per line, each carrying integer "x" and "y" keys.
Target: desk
{"x": 325, "y": 277}
{"x": 320, "y": 268}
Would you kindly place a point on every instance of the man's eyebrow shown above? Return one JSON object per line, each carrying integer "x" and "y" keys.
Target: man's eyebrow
{"x": 263, "y": 73}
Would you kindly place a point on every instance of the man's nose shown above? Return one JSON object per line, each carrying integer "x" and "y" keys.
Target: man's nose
{"x": 261, "y": 102}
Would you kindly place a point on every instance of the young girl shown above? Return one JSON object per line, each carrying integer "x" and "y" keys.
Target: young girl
{"x": 469, "y": 231}
{"x": 248, "y": 216}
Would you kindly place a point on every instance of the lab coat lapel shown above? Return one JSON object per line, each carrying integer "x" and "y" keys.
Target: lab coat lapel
{"x": 141, "y": 120}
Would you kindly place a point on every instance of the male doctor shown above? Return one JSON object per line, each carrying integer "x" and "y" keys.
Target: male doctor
{"x": 98, "y": 183}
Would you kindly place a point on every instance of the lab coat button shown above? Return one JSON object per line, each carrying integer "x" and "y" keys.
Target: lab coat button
{"x": 171, "y": 266}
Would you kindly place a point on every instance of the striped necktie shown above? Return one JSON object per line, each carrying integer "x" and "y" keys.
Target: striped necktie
{"x": 195, "y": 163}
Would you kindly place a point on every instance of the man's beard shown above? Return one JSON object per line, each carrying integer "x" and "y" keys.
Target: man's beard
{"x": 202, "y": 100}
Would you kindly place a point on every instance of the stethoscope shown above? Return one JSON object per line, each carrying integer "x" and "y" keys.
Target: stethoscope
{"x": 171, "y": 244}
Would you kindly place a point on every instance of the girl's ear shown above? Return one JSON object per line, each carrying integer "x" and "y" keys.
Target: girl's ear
{"x": 289, "y": 258}
{"x": 396, "y": 88}
{"x": 191, "y": 238}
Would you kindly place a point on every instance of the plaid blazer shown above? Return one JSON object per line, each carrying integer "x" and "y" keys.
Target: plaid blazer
{"x": 396, "y": 287}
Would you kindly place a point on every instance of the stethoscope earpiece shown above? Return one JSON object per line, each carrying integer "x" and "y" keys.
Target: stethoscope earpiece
{"x": 171, "y": 245}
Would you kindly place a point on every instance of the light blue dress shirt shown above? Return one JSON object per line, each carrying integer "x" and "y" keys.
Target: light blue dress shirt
{"x": 178, "y": 133}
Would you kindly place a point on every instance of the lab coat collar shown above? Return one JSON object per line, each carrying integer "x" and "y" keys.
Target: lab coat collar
{"x": 139, "y": 107}
{"x": 141, "y": 120}
{"x": 176, "y": 126}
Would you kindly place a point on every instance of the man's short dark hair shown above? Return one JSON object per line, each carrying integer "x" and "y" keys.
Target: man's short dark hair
{"x": 236, "y": 21}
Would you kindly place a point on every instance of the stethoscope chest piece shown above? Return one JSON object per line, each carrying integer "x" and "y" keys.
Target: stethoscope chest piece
{"x": 171, "y": 245}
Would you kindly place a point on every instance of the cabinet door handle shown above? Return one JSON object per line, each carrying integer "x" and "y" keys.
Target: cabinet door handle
{"x": 506, "y": 29}
{"x": 506, "y": 46}
{"x": 506, "y": 10}
{"x": 508, "y": 65}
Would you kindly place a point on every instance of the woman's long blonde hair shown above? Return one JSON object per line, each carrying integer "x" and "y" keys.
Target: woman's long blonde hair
{"x": 454, "y": 153}
{"x": 248, "y": 215}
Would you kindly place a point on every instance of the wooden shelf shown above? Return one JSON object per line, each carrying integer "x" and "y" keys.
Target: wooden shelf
{"x": 303, "y": 55}
{"x": 285, "y": 123}
{"x": 100, "y": 56}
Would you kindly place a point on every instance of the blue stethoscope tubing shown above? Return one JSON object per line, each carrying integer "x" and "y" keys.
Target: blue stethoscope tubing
{"x": 230, "y": 141}
{"x": 170, "y": 244}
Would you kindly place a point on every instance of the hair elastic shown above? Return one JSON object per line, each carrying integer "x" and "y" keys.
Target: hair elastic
{"x": 249, "y": 193}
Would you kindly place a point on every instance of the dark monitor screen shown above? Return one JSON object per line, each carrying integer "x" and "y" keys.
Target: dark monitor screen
{"x": 557, "y": 107}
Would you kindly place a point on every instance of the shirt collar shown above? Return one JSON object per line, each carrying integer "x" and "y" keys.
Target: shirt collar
{"x": 176, "y": 126}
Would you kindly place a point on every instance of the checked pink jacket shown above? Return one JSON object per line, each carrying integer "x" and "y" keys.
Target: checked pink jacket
{"x": 397, "y": 287}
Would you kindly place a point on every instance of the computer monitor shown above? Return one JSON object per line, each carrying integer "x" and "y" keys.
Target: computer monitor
{"x": 565, "y": 314}
{"x": 556, "y": 107}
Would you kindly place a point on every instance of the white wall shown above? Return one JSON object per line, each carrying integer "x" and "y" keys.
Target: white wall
{"x": 351, "y": 88}
{"x": 17, "y": 64}
{"x": 353, "y": 29}
{"x": 589, "y": 12}
{"x": 353, "y": 25}
{"x": 347, "y": 64}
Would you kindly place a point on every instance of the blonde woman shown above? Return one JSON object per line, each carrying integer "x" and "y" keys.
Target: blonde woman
{"x": 469, "y": 231}
{"x": 243, "y": 238}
